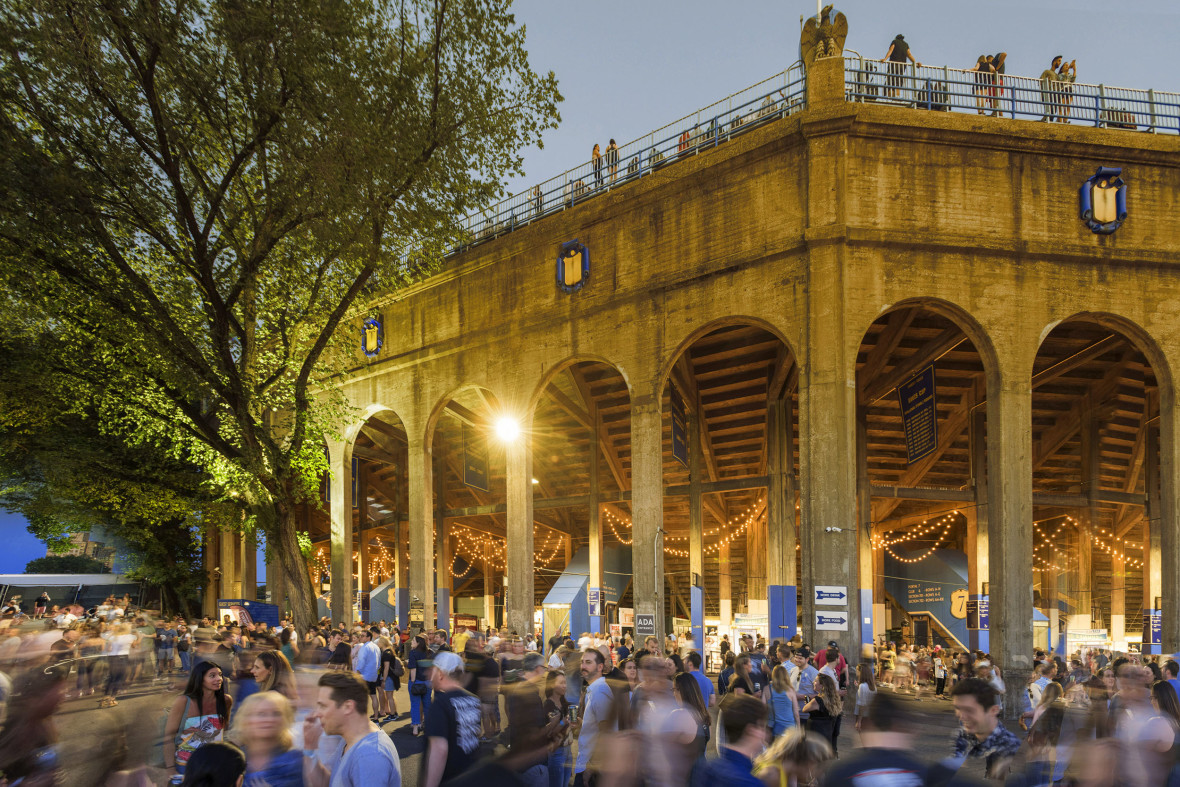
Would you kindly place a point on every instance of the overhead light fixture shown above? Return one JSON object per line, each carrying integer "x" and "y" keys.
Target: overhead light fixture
{"x": 507, "y": 429}
{"x": 535, "y": 481}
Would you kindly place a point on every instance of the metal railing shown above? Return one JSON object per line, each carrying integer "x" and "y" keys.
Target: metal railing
{"x": 778, "y": 96}
{"x": 1006, "y": 95}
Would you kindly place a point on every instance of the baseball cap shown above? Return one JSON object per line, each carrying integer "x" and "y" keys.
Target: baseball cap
{"x": 832, "y": 644}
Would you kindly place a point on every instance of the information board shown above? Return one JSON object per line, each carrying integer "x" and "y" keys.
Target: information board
{"x": 918, "y": 414}
{"x": 645, "y": 626}
{"x": 679, "y": 426}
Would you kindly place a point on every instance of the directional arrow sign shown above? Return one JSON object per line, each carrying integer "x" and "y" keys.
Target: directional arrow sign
{"x": 835, "y": 620}
{"x": 832, "y": 595}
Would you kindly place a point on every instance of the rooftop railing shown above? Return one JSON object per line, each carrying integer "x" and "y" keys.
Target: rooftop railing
{"x": 778, "y": 96}
{"x": 947, "y": 89}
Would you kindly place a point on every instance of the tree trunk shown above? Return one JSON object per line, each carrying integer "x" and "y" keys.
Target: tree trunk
{"x": 282, "y": 526}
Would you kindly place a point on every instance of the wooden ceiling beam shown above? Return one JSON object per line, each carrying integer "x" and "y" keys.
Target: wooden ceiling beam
{"x": 1066, "y": 365}
{"x": 890, "y": 336}
{"x": 948, "y": 432}
{"x": 927, "y": 354}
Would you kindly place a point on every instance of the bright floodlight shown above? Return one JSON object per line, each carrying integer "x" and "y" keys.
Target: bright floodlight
{"x": 507, "y": 429}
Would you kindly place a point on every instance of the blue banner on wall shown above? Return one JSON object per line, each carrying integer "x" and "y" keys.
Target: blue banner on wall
{"x": 475, "y": 460}
{"x": 679, "y": 427}
{"x": 918, "y": 414}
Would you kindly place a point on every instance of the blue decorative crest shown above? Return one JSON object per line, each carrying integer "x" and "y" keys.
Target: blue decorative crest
{"x": 573, "y": 266}
{"x": 1102, "y": 200}
{"x": 372, "y": 336}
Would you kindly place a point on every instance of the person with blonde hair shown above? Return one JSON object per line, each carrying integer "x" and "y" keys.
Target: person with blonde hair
{"x": 793, "y": 758}
{"x": 784, "y": 703}
{"x": 262, "y": 727}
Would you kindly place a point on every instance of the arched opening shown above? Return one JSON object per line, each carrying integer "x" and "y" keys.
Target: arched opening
{"x": 469, "y": 504}
{"x": 730, "y": 406}
{"x": 1095, "y": 455}
{"x": 921, "y": 388}
{"x": 581, "y": 443}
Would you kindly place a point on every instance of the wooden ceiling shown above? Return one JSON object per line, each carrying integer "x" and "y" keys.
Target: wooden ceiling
{"x": 1083, "y": 370}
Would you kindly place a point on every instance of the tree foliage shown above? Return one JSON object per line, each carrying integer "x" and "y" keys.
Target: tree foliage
{"x": 201, "y": 193}
{"x": 66, "y": 564}
{"x": 65, "y": 475}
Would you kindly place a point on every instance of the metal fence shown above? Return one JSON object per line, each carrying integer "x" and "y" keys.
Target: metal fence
{"x": 1005, "y": 95}
{"x": 778, "y": 96}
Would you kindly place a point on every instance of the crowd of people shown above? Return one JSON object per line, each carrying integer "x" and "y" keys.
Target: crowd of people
{"x": 265, "y": 705}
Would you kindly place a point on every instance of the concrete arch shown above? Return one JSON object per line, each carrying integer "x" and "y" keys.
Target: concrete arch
{"x": 979, "y": 337}
{"x": 367, "y": 413}
{"x": 437, "y": 410}
{"x": 1139, "y": 336}
{"x": 556, "y": 369}
{"x": 665, "y": 369}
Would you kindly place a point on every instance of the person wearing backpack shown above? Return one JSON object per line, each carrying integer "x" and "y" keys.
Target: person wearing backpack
{"x": 388, "y": 681}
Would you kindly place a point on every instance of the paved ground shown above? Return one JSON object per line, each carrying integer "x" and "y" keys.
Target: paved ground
{"x": 93, "y": 737}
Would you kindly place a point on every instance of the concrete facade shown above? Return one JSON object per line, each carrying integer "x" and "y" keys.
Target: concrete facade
{"x": 811, "y": 227}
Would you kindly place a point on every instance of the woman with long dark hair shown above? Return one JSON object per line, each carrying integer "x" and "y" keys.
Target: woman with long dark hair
{"x": 199, "y": 716}
{"x": 825, "y": 707}
{"x": 217, "y": 765}
{"x": 420, "y": 664}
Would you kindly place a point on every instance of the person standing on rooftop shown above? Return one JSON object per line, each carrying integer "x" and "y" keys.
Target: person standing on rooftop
{"x": 899, "y": 52}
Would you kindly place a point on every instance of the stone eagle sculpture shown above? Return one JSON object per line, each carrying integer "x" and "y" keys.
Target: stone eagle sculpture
{"x": 823, "y": 36}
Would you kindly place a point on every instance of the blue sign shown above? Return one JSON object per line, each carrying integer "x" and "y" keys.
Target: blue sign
{"x": 372, "y": 336}
{"x": 475, "y": 460}
{"x": 827, "y": 621}
{"x": 927, "y": 586}
{"x": 918, "y": 414}
{"x": 594, "y": 599}
{"x": 820, "y": 595}
{"x": 679, "y": 427}
{"x": 1102, "y": 200}
{"x": 1153, "y": 621}
{"x": 573, "y": 266}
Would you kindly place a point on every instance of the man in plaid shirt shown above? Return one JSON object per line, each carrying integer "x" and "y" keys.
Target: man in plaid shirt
{"x": 981, "y": 733}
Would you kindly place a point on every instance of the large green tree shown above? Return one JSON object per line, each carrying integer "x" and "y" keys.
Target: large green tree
{"x": 65, "y": 564}
{"x": 65, "y": 474}
{"x": 202, "y": 192}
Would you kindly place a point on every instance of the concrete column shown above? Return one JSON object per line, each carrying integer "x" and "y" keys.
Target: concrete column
{"x": 696, "y": 532}
{"x": 489, "y": 592}
{"x": 1118, "y": 602}
{"x": 420, "y": 543}
{"x": 231, "y": 584}
{"x": 364, "y": 536}
{"x": 1168, "y": 494}
{"x": 340, "y": 460}
{"x": 781, "y": 580}
{"x": 1089, "y": 519}
{"x": 594, "y": 542}
{"x": 1050, "y": 589}
{"x": 864, "y": 528}
{"x": 1010, "y": 543}
{"x": 520, "y": 599}
{"x": 442, "y": 563}
{"x": 1153, "y": 568}
{"x": 827, "y": 454}
{"x": 401, "y": 553}
{"x": 756, "y": 549}
{"x": 647, "y": 507}
{"x": 725, "y": 590}
{"x": 250, "y": 566}
{"x": 211, "y": 540}
{"x": 978, "y": 544}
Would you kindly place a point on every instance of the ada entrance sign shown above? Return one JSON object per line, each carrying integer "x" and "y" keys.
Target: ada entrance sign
{"x": 831, "y": 620}
{"x": 832, "y": 595}
{"x": 645, "y": 625}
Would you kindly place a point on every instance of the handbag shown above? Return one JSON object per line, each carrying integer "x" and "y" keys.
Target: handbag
{"x": 419, "y": 689}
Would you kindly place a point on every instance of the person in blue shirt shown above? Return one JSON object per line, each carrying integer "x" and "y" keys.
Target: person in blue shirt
{"x": 692, "y": 665}
{"x": 368, "y": 662}
{"x": 1172, "y": 674}
{"x": 743, "y": 721}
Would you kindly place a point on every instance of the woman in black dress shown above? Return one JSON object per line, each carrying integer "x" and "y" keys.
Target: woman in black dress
{"x": 825, "y": 707}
